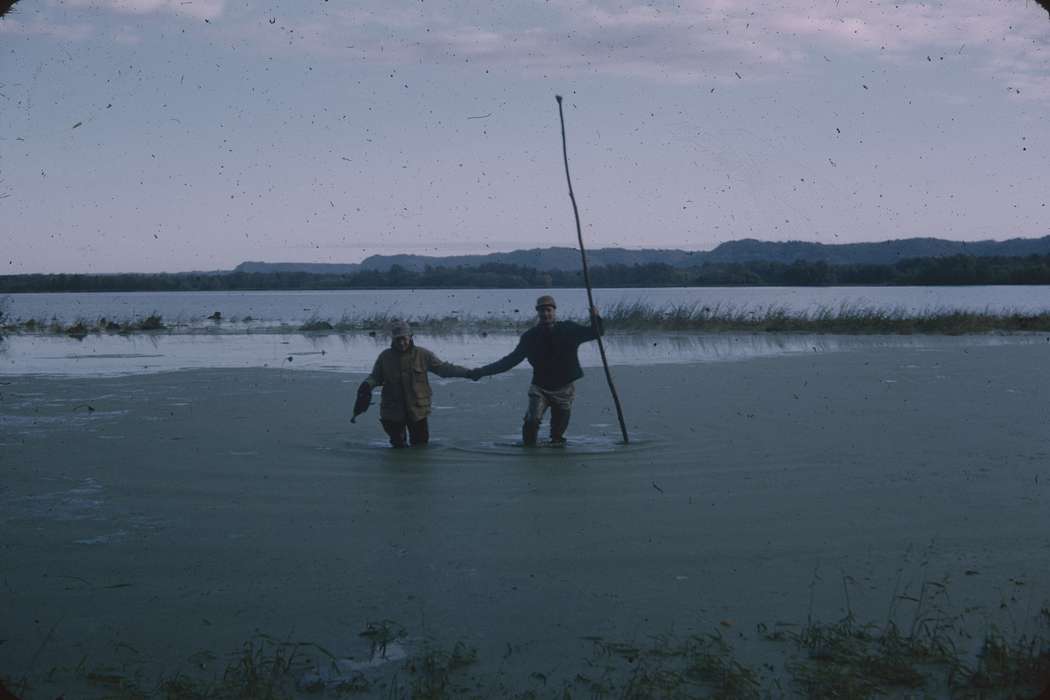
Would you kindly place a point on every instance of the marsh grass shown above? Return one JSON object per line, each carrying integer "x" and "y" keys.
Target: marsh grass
{"x": 668, "y": 667}
{"x": 1020, "y": 664}
{"x": 637, "y": 316}
{"x": 80, "y": 328}
{"x": 846, "y": 659}
{"x": 437, "y": 673}
{"x": 263, "y": 669}
{"x": 842, "y": 319}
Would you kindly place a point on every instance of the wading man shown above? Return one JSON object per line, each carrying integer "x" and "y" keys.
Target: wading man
{"x": 551, "y": 347}
{"x": 402, "y": 372}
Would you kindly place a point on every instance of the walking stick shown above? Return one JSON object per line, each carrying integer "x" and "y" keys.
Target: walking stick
{"x": 586, "y": 275}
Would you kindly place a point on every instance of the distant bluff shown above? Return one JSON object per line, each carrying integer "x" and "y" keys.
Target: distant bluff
{"x": 742, "y": 251}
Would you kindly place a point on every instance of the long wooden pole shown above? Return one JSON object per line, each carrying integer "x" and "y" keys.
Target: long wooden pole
{"x": 586, "y": 274}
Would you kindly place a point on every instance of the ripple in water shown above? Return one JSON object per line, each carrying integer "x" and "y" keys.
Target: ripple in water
{"x": 607, "y": 443}
{"x": 511, "y": 445}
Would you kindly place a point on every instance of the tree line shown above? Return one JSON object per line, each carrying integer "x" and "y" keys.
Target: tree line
{"x": 949, "y": 270}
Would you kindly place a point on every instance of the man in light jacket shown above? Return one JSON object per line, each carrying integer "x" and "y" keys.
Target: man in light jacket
{"x": 402, "y": 371}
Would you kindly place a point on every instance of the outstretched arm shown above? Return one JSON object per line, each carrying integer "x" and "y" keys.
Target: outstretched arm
{"x": 504, "y": 363}
{"x": 445, "y": 369}
{"x": 592, "y": 332}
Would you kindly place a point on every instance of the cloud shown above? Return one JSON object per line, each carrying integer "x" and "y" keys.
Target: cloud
{"x": 198, "y": 9}
{"x": 692, "y": 41}
{"x": 64, "y": 31}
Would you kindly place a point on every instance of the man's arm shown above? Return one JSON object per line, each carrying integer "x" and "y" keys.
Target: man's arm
{"x": 591, "y": 332}
{"x": 364, "y": 391}
{"x": 375, "y": 378}
{"x": 444, "y": 369}
{"x": 504, "y": 363}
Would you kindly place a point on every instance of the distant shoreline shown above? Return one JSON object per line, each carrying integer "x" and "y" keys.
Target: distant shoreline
{"x": 954, "y": 270}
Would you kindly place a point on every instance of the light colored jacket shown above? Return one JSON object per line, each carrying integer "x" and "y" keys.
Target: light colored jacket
{"x": 403, "y": 376}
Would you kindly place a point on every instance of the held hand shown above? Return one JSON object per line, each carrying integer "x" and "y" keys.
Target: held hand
{"x": 474, "y": 374}
{"x": 594, "y": 312}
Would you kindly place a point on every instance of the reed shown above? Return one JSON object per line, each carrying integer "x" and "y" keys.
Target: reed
{"x": 624, "y": 317}
{"x": 842, "y": 319}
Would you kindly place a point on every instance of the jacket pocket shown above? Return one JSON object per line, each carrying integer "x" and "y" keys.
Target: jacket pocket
{"x": 420, "y": 386}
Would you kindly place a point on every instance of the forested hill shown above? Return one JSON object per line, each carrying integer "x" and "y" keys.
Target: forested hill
{"x": 742, "y": 251}
{"x": 561, "y": 259}
{"x": 952, "y": 269}
{"x": 915, "y": 261}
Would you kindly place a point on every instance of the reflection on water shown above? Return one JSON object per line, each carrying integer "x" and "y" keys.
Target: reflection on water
{"x": 145, "y": 354}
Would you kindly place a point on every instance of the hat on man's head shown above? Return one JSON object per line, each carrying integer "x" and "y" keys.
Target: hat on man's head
{"x": 546, "y": 300}
{"x": 400, "y": 329}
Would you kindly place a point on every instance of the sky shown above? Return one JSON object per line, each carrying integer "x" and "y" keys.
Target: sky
{"x": 177, "y": 135}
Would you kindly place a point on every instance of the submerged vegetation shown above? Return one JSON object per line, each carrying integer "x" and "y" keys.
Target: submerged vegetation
{"x": 81, "y": 328}
{"x": 633, "y": 317}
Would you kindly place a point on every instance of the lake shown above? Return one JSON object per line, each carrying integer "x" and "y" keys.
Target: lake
{"x": 149, "y": 353}
{"x": 268, "y": 308}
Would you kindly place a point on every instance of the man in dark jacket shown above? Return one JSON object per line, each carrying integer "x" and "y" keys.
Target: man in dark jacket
{"x": 551, "y": 348}
{"x": 402, "y": 372}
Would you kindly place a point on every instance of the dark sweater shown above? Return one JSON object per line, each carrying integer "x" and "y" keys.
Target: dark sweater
{"x": 552, "y": 352}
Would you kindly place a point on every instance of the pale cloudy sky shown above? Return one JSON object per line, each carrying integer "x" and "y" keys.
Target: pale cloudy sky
{"x": 147, "y": 135}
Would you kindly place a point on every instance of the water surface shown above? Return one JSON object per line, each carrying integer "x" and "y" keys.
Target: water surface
{"x": 293, "y": 307}
{"x": 147, "y": 353}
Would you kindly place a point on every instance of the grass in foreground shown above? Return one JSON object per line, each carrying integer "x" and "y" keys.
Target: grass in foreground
{"x": 842, "y": 659}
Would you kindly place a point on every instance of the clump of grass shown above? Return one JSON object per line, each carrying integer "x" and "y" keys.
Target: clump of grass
{"x": 153, "y": 322}
{"x": 79, "y": 329}
{"x": 1021, "y": 664}
{"x": 434, "y": 672}
{"x": 380, "y": 634}
{"x": 669, "y": 667}
{"x": 316, "y": 324}
{"x": 844, "y": 659}
{"x": 265, "y": 669}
